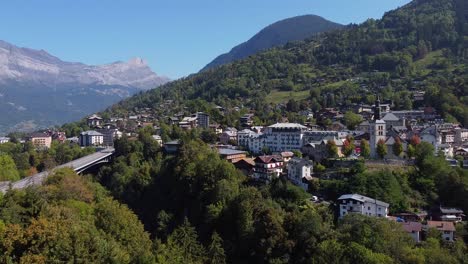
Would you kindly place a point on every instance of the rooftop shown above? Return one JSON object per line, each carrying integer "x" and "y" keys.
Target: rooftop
{"x": 288, "y": 125}
{"x": 227, "y": 152}
{"x": 412, "y": 227}
{"x": 90, "y": 133}
{"x": 441, "y": 225}
{"x": 363, "y": 198}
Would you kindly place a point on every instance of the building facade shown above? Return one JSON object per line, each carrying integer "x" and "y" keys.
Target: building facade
{"x": 91, "y": 138}
{"x": 299, "y": 169}
{"x": 41, "y": 140}
{"x": 268, "y": 167}
{"x": 360, "y": 204}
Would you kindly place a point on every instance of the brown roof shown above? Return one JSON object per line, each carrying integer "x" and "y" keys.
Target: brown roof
{"x": 412, "y": 227}
{"x": 441, "y": 225}
{"x": 269, "y": 159}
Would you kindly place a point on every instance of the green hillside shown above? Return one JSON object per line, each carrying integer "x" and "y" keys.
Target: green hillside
{"x": 420, "y": 46}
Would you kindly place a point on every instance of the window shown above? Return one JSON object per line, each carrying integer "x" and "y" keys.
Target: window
{"x": 368, "y": 208}
{"x": 379, "y": 208}
{"x": 351, "y": 208}
{"x": 379, "y": 215}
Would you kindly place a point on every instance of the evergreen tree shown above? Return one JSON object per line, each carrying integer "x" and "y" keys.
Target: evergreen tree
{"x": 216, "y": 251}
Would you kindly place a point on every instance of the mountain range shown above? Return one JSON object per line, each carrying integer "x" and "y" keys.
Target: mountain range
{"x": 276, "y": 34}
{"x": 40, "y": 90}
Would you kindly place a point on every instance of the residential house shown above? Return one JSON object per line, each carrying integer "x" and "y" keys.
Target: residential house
{"x": 40, "y": 140}
{"x": 360, "y": 204}
{"x": 287, "y": 156}
{"x": 446, "y": 228}
{"x": 463, "y": 152}
{"x": 414, "y": 229}
{"x": 172, "y": 147}
{"x": 268, "y": 167}
{"x": 232, "y": 155}
{"x": 158, "y": 139}
{"x": 461, "y": 136}
{"x": 449, "y": 214}
{"x": 246, "y": 120}
{"x": 91, "y": 138}
{"x": 4, "y": 140}
{"x": 300, "y": 172}
{"x": 94, "y": 120}
{"x": 246, "y": 166}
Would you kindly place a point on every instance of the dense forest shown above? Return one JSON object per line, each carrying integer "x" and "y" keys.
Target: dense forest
{"x": 422, "y": 46}
{"x": 19, "y": 160}
{"x": 197, "y": 208}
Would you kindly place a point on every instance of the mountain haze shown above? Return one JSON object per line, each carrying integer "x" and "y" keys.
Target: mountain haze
{"x": 37, "y": 88}
{"x": 277, "y": 34}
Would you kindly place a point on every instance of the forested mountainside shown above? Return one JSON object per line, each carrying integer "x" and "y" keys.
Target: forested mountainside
{"x": 421, "y": 46}
{"x": 276, "y": 34}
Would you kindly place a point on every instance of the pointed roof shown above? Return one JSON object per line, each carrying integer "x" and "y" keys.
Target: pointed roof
{"x": 390, "y": 117}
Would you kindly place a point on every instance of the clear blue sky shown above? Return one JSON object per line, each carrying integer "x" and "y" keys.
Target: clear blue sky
{"x": 175, "y": 37}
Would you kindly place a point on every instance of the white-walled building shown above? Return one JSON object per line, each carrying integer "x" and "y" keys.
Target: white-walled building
{"x": 360, "y": 204}
{"x": 91, "y": 138}
{"x": 268, "y": 167}
{"x": 4, "y": 140}
{"x": 299, "y": 169}
{"x": 446, "y": 228}
{"x": 284, "y": 137}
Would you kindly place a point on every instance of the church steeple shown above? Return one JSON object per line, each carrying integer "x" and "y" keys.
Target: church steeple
{"x": 377, "y": 109}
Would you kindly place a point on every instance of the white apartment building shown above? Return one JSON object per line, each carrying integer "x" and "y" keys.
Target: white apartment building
{"x": 360, "y": 204}
{"x": 299, "y": 169}
{"x": 284, "y": 137}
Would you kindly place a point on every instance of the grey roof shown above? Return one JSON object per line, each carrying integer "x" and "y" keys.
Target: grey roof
{"x": 363, "y": 198}
{"x": 90, "y": 133}
{"x": 287, "y": 125}
{"x": 390, "y": 117}
{"x": 446, "y": 210}
{"x": 225, "y": 151}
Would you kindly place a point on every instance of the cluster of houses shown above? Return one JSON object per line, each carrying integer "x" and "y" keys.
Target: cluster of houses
{"x": 416, "y": 225}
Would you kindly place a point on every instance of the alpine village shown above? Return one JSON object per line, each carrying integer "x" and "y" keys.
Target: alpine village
{"x": 347, "y": 147}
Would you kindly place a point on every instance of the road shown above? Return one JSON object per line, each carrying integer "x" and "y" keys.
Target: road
{"x": 76, "y": 165}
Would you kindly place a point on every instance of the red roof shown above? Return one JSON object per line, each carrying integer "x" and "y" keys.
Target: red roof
{"x": 441, "y": 225}
{"x": 412, "y": 227}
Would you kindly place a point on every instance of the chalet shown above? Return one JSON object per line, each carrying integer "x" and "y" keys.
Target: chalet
{"x": 94, "y": 120}
{"x": 232, "y": 155}
{"x": 246, "y": 166}
{"x": 268, "y": 167}
{"x": 360, "y": 204}
{"x": 414, "y": 229}
{"x": 446, "y": 228}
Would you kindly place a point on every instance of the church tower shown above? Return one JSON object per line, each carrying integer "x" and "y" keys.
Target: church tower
{"x": 377, "y": 129}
